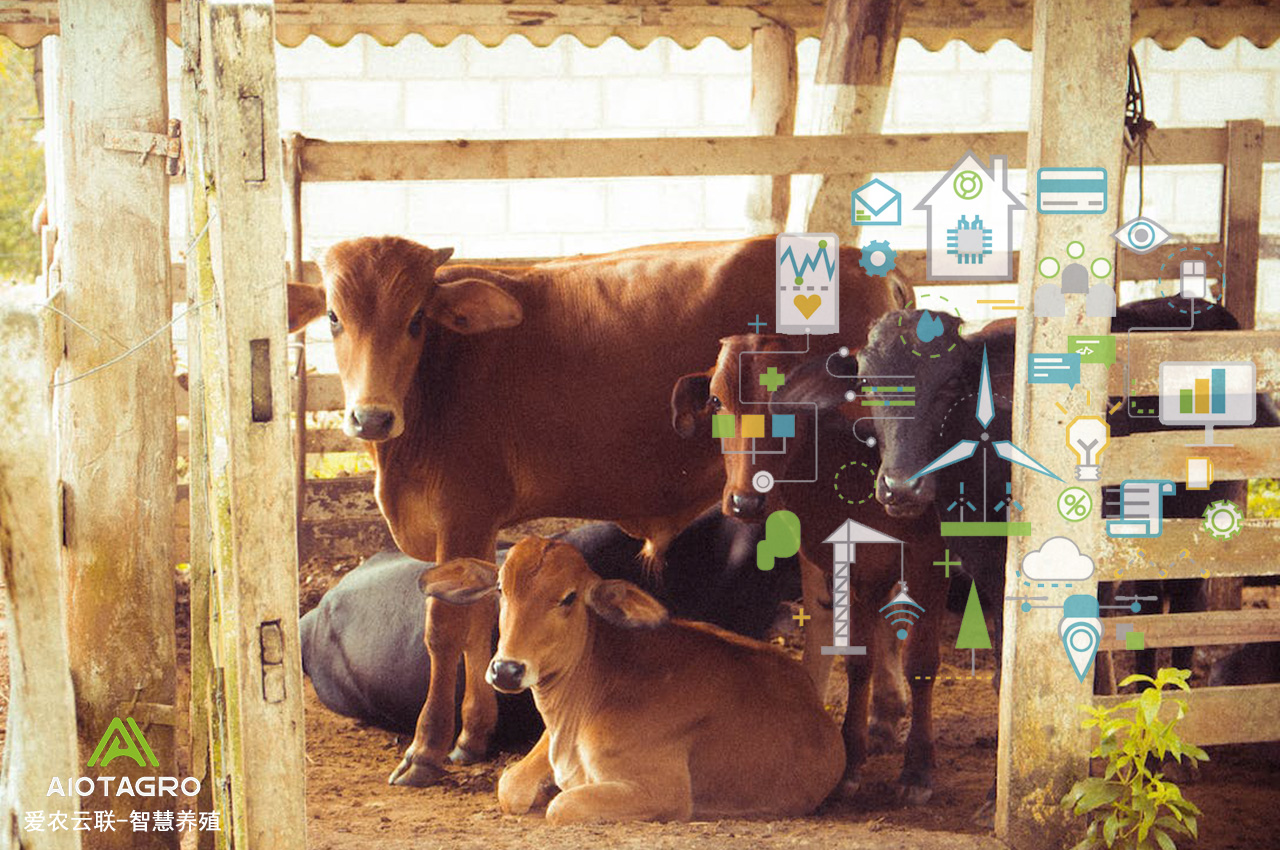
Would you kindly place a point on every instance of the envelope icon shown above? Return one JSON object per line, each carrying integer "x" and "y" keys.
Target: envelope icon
{"x": 877, "y": 202}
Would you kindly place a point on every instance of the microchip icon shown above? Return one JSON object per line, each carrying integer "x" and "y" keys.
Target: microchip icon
{"x": 969, "y": 241}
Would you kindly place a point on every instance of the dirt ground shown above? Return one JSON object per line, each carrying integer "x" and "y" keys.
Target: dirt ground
{"x": 350, "y": 806}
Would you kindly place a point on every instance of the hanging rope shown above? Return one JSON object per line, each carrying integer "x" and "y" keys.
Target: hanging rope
{"x": 1136, "y": 125}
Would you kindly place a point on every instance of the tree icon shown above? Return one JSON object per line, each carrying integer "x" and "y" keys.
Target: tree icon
{"x": 973, "y": 628}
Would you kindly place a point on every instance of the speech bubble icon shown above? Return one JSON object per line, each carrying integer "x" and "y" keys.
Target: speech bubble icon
{"x": 1055, "y": 368}
{"x": 1094, "y": 349}
{"x": 781, "y": 539}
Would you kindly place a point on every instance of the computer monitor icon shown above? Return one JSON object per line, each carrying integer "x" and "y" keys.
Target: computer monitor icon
{"x": 1208, "y": 393}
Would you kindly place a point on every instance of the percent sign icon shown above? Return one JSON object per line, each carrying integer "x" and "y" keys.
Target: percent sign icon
{"x": 1074, "y": 504}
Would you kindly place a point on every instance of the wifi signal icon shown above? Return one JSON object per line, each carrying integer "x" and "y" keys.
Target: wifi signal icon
{"x": 900, "y": 611}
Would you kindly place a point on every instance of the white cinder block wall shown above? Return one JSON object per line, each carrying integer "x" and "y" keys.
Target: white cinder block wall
{"x": 413, "y": 90}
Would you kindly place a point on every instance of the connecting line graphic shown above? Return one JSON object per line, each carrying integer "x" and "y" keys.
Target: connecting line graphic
{"x": 843, "y": 352}
{"x": 1128, "y": 358}
{"x": 742, "y": 400}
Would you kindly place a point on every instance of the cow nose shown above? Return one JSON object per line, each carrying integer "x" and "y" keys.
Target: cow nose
{"x": 748, "y": 505}
{"x": 372, "y": 423}
{"x": 894, "y": 488}
{"x": 506, "y": 675}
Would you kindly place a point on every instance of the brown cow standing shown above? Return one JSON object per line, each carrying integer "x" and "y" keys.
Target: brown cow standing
{"x": 647, "y": 718}
{"x": 496, "y": 396}
{"x": 844, "y": 488}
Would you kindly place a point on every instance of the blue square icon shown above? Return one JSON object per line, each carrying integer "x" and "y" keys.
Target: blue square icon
{"x": 784, "y": 425}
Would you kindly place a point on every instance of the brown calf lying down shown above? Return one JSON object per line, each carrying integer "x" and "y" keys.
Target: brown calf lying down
{"x": 648, "y": 718}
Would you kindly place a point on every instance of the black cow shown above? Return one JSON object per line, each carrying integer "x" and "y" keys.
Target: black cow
{"x": 363, "y": 647}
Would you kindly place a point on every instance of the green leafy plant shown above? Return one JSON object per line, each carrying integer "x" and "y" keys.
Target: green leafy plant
{"x": 1131, "y": 806}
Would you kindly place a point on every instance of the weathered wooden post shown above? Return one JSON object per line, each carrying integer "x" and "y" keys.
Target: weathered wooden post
{"x": 773, "y": 113}
{"x": 115, "y": 426}
{"x": 41, "y": 739}
{"x": 851, "y": 84}
{"x": 256, "y": 689}
{"x": 1077, "y": 105}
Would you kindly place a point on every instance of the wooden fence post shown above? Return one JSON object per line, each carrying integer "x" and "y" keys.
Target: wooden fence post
{"x": 773, "y": 113}
{"x": 116, "y": 430}
{"x": 1077, "y": 102}
{"x": 257, "y": 746}
{"x": 851, "y": 84}
{"x": 41, "y": 739}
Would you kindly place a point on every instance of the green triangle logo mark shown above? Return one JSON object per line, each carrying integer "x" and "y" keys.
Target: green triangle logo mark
{"x": 123, "y": 741}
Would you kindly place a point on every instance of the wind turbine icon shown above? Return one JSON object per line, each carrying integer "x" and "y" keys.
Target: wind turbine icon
{"x": 966, "y": 449}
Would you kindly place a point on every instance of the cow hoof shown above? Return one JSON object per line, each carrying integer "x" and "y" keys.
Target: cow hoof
{"x": 914, "y": 795}
{"x": 461, "y": 755}
{"x": 414, "y": 774}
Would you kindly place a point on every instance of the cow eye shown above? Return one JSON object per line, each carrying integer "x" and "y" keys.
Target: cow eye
{"x": 715, "y": 403}
{"x": 334, "y": 324}
{"x": 569, "y": 598}
{"x": 415, "y": 325}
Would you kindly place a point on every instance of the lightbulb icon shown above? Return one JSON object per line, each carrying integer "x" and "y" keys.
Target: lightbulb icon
{"x": 1087, "y": 437}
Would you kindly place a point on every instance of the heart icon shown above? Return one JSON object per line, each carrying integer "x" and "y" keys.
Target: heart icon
{"x": 808, "y": 304}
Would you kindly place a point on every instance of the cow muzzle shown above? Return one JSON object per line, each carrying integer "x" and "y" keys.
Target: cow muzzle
{"x": 372, "y": 422}
{"x": 510, "y": 677}
{"x": 747, "y": 506}
{"x": 903, "y": 498}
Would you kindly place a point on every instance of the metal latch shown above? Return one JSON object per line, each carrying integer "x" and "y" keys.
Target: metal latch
{"x": 169, "y": 146}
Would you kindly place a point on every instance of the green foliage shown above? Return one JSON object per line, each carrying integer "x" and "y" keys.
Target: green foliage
{"x": 1131, "y": 807}
{"x": 1264, "y": 498}
{"x": 21, "y": 165}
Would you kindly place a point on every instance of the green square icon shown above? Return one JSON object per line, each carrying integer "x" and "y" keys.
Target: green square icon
{"x": 1093, "y": 349}
{"x": 722, "y": 426}
{"x": 1135, "y": 640}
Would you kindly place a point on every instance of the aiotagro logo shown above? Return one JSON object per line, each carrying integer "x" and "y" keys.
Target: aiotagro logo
{"x": 123, "y": 739}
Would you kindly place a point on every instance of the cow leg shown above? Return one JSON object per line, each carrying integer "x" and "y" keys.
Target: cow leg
{"x": 916, "y": 780}
{"x": 659, "y": 788}
{"x": 446, "y": 634}
{"x": 888, "y": 704}
{"x": 858, "y": 669}
{"x": 479, "y": 703}
{"x": 816, "y": 592}
{"x": 529, "y": 783}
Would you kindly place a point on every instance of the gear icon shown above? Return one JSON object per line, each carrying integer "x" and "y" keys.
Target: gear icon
{"x": 1223, "y": 519}
{"x": 878, "y": 258}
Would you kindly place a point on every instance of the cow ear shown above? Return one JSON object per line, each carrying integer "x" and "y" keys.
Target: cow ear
{"x": 460, "y": 580}
{"x": 306, "y": 304}
{"x": 623, "y": 604}
{"x": 822, "y": 381}
{"x": 474, "y": 306}
{"x": 688, "y": 402}
{"x": 442, "y": 255}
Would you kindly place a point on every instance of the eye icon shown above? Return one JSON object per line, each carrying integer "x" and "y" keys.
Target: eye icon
{"x": 1141, "y": 235}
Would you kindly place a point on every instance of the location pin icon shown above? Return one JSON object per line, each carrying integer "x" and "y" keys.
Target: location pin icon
{"x": 1081, "y": 631}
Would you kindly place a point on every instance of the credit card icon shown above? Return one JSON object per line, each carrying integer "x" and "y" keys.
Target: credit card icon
{"x": 1071, "y": 191}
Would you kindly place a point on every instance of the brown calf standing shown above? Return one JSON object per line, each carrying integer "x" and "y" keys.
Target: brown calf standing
{"x": 647, "y": 718}
{"x": 836, "y": 481}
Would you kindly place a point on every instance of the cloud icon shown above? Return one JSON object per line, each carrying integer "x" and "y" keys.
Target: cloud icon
{"x": 1057, "y": 560}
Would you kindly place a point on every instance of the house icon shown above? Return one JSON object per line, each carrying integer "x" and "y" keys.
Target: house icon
{"x": 970, "y": 232}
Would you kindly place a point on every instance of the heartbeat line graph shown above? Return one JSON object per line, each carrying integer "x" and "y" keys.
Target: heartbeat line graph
{"x": 810, "y": 261}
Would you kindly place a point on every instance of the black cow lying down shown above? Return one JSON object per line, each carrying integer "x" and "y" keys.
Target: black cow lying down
{"x": 363, "y": 646}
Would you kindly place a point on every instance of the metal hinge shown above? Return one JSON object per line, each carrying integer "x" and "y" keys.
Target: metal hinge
{"x": 169, "y": 146}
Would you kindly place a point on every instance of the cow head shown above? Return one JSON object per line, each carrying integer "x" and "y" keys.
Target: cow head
{"x": 727, "y": 392}
{"x": 383, "y": 302}
{"x": 908, "y": 438}
{"x": 548, "y": 599}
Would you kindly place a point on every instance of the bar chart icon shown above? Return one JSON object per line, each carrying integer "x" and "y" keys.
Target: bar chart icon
{"x": 1209, "y": 395}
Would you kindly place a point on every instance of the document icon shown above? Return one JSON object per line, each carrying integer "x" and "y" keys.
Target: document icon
{"x": 1141, "y": 508}
{"x": 877, "y": 202}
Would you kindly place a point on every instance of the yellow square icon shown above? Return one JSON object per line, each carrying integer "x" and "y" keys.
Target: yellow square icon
{"x": 753, "y": 425}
